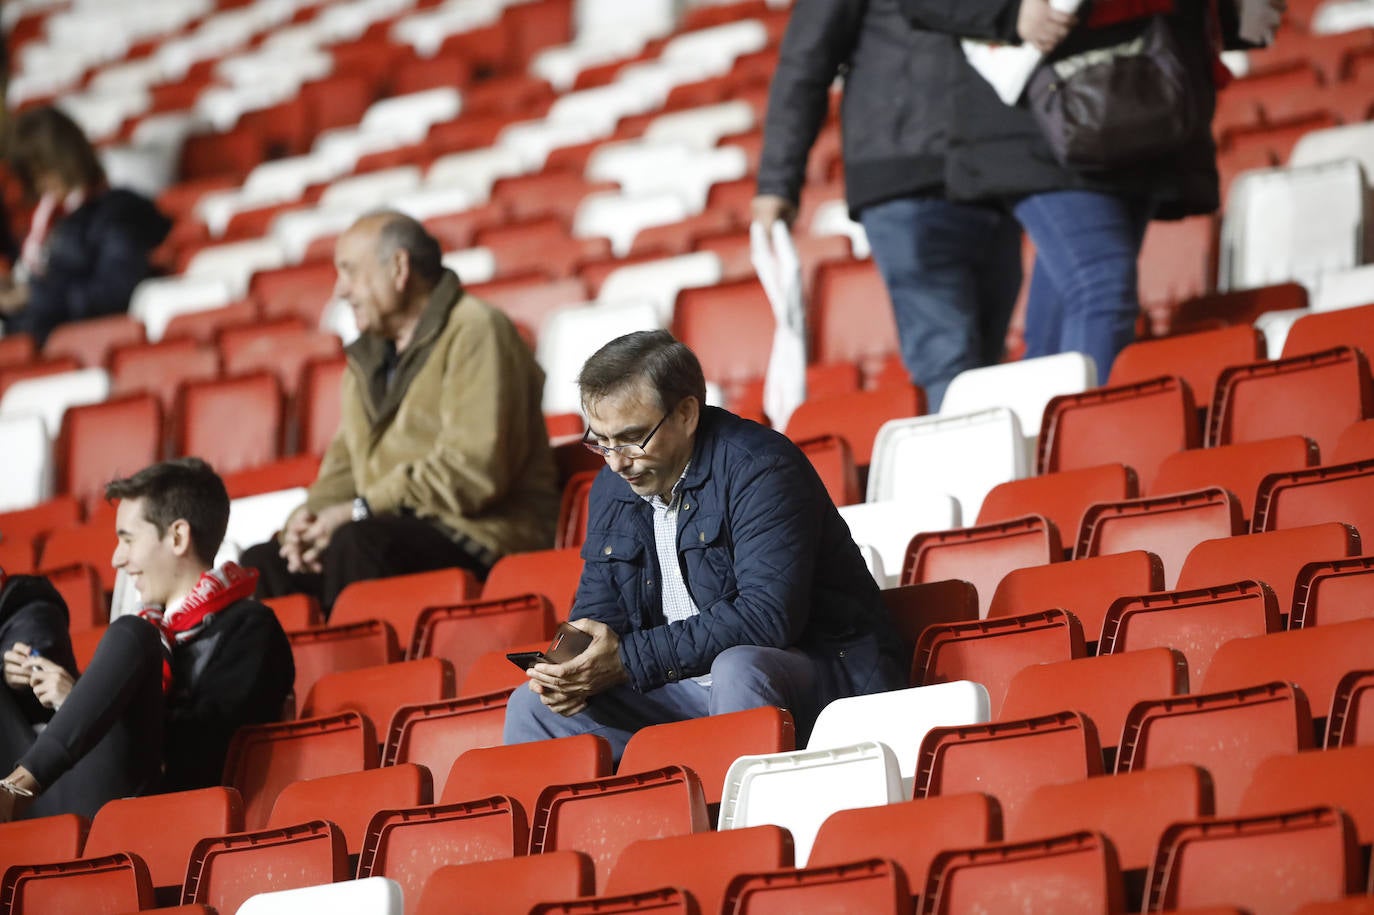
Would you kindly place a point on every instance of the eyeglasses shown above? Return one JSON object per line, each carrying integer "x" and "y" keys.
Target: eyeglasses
{"x": 628, "y": 452}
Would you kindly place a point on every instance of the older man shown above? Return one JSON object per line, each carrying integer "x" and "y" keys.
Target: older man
{"x": 719, "y": 575}
{"x": 441, "y": 458}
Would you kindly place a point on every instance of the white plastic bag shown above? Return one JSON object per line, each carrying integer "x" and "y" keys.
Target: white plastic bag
{"x": 779, "y": 271}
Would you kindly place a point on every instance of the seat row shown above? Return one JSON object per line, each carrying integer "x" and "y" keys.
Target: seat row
{"x": 836, "y": 806}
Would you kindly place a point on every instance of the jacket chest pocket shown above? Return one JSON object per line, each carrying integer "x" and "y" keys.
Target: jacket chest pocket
{"x": 619, "y": 559}
{"x": 706, "y": 552}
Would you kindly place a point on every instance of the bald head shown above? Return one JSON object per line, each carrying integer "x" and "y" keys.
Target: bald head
{"x": 392, "y": 231}
{"x": 387, "y": 267}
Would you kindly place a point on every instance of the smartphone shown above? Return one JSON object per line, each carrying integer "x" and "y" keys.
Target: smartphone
{"x": 568, "y": 642}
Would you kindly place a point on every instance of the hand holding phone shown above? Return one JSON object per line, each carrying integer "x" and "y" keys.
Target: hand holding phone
{"x": 568, "y": 642}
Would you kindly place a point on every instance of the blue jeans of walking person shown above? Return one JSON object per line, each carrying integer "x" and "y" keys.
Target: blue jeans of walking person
{"x": 1083, "y": 292}
{"x": 952, "y": 271}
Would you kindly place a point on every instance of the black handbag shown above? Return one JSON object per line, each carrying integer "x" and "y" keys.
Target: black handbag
{"x": 1115, "y": 106}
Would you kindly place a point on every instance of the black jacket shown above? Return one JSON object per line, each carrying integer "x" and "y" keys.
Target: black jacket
{"x": 765, "y": 554}
{"x": 997, "y": 152}
{"x": 895, "y": 108}
{"x": 239, "y": 672}
{"x": 96, "y": 255}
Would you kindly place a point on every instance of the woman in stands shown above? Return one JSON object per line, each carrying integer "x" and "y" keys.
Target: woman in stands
{"x": 87, "y": 245}
{"x": 1087, "y": 225}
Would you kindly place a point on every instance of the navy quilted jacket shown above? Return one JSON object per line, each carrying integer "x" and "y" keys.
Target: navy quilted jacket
{"x": 765, "y": 554}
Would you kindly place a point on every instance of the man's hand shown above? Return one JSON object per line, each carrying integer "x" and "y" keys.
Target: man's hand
{"x": 17, "y": 666}
{"x": 1042, "y": 26}
{"x": 50, "y": 682}
{"x": 321, "y": 531}
{"x": 565, "y": 688}
{"x": 293, "y": 543}
{"x": 13, "y": 298}
{"x": 767, "y": 209}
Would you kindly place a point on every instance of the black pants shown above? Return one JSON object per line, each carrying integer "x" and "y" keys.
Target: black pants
{"x": 106, "y": 740}
{"x": 361, "y": 550}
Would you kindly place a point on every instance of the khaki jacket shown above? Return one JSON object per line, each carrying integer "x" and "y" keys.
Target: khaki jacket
{"x": 457, "y": 437}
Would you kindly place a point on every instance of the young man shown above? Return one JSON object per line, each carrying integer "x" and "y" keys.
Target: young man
{"x": 719, "y": 575}
{"x": 442, "y": 458}
{"x": 168, "y": 686}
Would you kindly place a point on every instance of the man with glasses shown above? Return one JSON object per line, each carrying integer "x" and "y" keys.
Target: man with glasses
{"x": 718, "y": 574}
{"x": 442, "y": 457}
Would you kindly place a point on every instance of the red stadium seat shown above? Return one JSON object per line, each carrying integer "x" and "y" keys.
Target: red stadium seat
{"x": 991, "y": 651}
{"x": 1317, "y": 395}
{"x": 1062, "y": 497}
{"x": 263, "y": 759}
{"x": 351, "y": 799}
{"x": 434, "y": 734}
{"x": 163, "y": 828}
{"x": 1333, "y": 591}
{"x": 1136, "y": 424}
{"x": 1084, "y": 587}
{"x": 1263, "y": 863}
{"x": 982, "y": 555}
{"x": 1076, "y": 872}
{"x": 100, "y": 442}
{"x": 602, "y": 816}
{"x": 225, "y": 870}
{"x": 400, "y": 599}
{"x": 1195, "y": 622}
{"x": 234, "y": 423}
{"x": 111, "y": 884}
{"x": 522, "y": 771}
{"x": 1167, "y": 526}
{"x": 90, "y": 342}
{"x": 1227, "y": 733}
{"x": 410, "y": 844}
{"x": 1236, "y": 468}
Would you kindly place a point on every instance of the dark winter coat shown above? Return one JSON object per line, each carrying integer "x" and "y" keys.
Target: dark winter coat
{"x": 997, "y": 151}
{"x": 896, "y": 100}
{"x": 95, "y": 257}
{"x": 765, "y": 554}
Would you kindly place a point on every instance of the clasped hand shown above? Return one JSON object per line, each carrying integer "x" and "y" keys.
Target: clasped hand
{"x": 565, "y": 688}
{"x": 306, "y": 535}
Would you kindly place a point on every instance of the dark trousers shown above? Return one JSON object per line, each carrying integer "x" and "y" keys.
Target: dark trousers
{"x": 359, "y": 551}
{"x": 106, "y": 740}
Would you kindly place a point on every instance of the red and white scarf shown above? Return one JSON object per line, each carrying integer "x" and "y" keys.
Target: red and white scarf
{"x": 187, "y": 619}
{"x": 33, "y": 255}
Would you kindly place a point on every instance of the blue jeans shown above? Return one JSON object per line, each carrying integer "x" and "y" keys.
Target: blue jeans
{"x": 1083, "y": 292}
{"x": 742, "y": 677}
{"x": 952, "y": 271}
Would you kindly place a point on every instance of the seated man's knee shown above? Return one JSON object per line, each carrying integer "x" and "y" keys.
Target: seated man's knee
{"x": 262, "y": 554}
{"x": 136, "y": 640}
{"x": 527, "y": 718}
{"x": 740, "y": 664}
{"x": 747, "y": 676}
{"x": 356, "y": 541}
